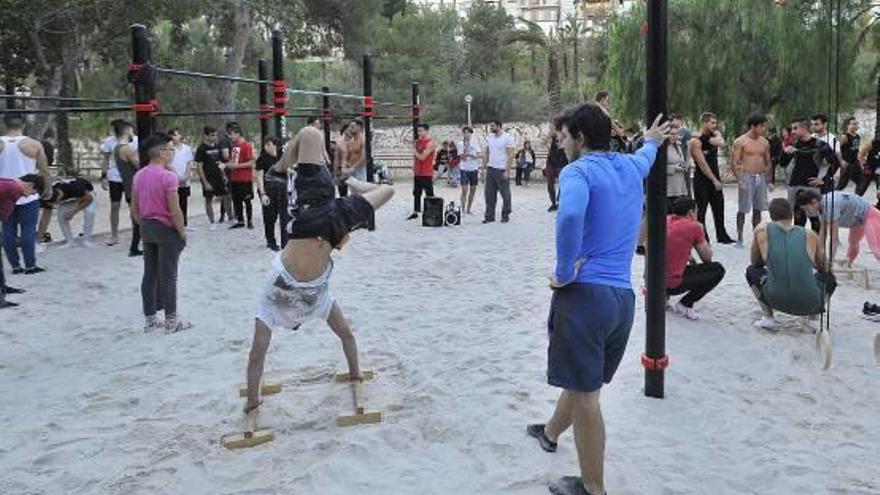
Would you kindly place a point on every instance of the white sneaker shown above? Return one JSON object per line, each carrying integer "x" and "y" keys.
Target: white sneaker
{"x": 767, "y": 323}
{"x": 191, "y": 229}
{"x": 113, "y": 241}
{"x": 687, "y": 312}
{"x": 212, "y": 227}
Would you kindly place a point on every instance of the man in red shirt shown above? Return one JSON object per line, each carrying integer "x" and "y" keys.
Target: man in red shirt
{"x": 684, "y": 233}
{"x": 423, "y": 169}
{"x": 241, "y": 176}
{"x": 10, "y": 191}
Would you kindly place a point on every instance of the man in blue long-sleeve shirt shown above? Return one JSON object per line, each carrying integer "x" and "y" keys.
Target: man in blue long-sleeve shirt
{"x": 591, "y": 313}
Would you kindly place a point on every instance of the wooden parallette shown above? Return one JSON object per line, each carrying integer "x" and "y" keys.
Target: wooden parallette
{"x": 853, "y": 272}
{"x": 269, "y": 387}
{"x": 251, "y": 436}
{"x": 361, "y": 415}
{"x": 346, "y": 378}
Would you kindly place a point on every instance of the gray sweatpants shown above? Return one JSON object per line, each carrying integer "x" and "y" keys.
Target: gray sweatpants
{"x": 495, "y": 183}
{"x": 162, "y": 248}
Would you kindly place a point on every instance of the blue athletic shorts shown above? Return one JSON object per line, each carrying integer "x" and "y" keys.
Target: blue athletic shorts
{"x": 470, "y": 177}
{"x": 589, "y": 327}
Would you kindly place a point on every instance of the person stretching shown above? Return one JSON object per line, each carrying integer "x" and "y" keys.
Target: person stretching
{"x": 593, "y": 305}
{"x": 843, "y": 209}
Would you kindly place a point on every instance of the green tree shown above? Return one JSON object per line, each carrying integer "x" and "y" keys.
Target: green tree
{"x": 764, "y": 57}
{"x": 551, "y": 45}
{"x": 572, "y": 31}
{"x": 484, "y": 48}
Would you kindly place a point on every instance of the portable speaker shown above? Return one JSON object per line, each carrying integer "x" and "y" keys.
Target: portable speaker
{"x": 432, "y": 212}
{"x": 452, "y": 215}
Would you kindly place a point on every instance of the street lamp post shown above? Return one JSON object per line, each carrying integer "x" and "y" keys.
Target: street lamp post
{"x": 468, "y": 99}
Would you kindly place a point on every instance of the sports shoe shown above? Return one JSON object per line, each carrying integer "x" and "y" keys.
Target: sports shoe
{"x": 7, "y": 304}
{"x": 17, "y": 270}
{"x": 569, "y": 485}
{"x": 87, "y": 243}
{"x": 552, "y": 208}
{"x": 113, "y": 241}
{"x": 33, "y": 270}
{"x": 640, "y": 250}
{"x": 687, "y": 312}
{"x": 47, "y": 237}
{"x": 12, "y": 290}
{"x": 870, "y": 309}
{"x": 191, "y": 229}
{"x": 413, "y": 216}
{"x": 236, "y": 226}
{"x": 174, "y": 325}
{"x": 766, "y": 322}
{"x": 212, "y": 227}
{"x": 537, "y": 431}
{"x": 135, "y": 253}
{"x": 152, "y": 324}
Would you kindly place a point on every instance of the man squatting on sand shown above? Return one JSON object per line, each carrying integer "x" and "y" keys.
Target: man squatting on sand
{"x": 591, "y": 313}
{"x": 297, "y": 286}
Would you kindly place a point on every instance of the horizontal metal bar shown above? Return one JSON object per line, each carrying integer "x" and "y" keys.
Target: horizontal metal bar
{"x": 212, "y": 112}
{"x": 34, "y": 111}
{"x": 58, "y": 98}
{"x": 216, "y": 77}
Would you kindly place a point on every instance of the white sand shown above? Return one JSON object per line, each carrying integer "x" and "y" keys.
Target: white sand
{"x": 453, "y": 322}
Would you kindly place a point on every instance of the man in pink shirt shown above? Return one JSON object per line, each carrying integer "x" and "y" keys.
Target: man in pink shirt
{"x": 155, "y": 206}
{"x": 10, "y": 191}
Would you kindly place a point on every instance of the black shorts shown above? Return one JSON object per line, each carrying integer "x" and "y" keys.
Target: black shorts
{"x": 117, "y": 189}
{"x": 242, "y": 191}
{"x": 470, "y": 177}
{"x": 219, "y": 189}
{"x": 184, "y": 191}
{"x": 333, "y": 220}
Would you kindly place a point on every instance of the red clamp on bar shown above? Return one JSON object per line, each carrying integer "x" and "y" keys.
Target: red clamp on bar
{"x": 416, "y": 111}
{"x": 279, "y": 86}
{"x": 266, "y": 112}
{"x": 280, "y": 111}
{"x": 368, "y": 107}
{"x": 328, "y": 114}
{"x": 652, "y": 364}
{"x": 280, "y": 99}
{"x": 135, "y": 67}
{"x": 152, "y": 107}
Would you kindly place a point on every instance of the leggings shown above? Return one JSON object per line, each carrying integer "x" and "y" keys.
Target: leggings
{"x": 551, "y": 175}
{"x": 183, "y": 193}
{"x": 162, "y": 248}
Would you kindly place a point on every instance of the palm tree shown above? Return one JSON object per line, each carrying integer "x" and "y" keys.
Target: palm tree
{"x": 572, "y": 31}
{"x": 551, "y": 45}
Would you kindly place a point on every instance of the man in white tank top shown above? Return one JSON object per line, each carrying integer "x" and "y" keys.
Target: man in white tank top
{"x": 21, "y": 155}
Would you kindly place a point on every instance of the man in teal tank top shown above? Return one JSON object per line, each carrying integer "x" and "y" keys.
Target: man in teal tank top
{"x": 784, "y": 257}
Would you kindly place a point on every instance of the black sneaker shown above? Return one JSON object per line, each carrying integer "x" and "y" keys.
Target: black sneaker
{"x": 726, "y": 240}
{"x": 640, "y": 250}
{"x": 12, "y": 290}
{"x": 47, "y": 237}
{"x": 413, "y": 216}
{"x": 488, "y": 221}
{"x": 273, "y": 246}
{"x": 34, "y": 269}
{"x": 870, "y": 309}
{"x": 552, "y": 208}
{"x": 250, "y": 226}
{"x": 505, "y": 220}
{"x": 537, "y": 431}
{"x": 17, "y": 270}
{"x": 236, "y": 226}
{"x": 7, "y": 304}
{"x": 135, "y": 253}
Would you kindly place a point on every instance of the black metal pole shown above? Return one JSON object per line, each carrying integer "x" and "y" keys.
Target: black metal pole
{"x": 9, "y": 91}
{"x": 416, "y": 111}
{"x": 837, "y": 73}
{"x": 368, "y": 114}
{"x": 327, "y": 118}
{"x": 278, "y": 83}
{"x": 143, "y": 90}
{"x": 263, "y": 87}
{"x": 655, "y": 359}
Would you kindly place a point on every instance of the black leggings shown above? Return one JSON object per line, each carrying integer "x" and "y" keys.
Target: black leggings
{"x": 242, "y": 196}
{"x": 183, "y": 198}
{"x": 277, "y": 210}
{"x": 422, "y": 184}
{"x": 706, "y": 195}
{"x": 697, "y": 281}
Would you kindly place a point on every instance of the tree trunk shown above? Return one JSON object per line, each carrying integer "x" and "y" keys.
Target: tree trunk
{"x": 512, "y": 73}
{"x": 242, "y": 26}
{"x": 553, "y": 95}
{"x": 64, "y": 149}
{"x": 575, "y": 64}
{"x": 534, "y": 67}
{"x": 877, "y": 111}
{"x": 565, "y": 65}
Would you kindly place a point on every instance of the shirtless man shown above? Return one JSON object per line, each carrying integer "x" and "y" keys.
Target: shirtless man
{"x": 753, "y": 169}
{"x": 296, "y": 289}
{"x": 21, "y": 155}
{"x": 355, "y": 161}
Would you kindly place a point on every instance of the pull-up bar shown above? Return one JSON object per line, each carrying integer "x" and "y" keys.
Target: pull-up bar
{"x": 60, "y": 99}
